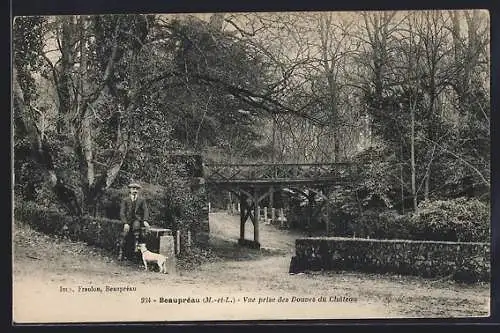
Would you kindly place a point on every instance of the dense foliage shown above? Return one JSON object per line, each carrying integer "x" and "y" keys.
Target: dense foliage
{"x": 461, "y": 219}
{"x": 98, "y": 231}
{"x": 455, "y": 220}
{"x": 101, "y": 100}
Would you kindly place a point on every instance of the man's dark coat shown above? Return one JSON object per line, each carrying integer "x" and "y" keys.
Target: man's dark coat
{"x": 131, "y": 212}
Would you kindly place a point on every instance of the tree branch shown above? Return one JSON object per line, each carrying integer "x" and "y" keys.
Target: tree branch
{"x": 485, "y": 181}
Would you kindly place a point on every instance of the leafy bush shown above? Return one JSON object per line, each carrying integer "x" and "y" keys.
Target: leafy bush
{"x": 381, "y": 225}
{"x": 97, "y": 231}
{"x": 393, "y": 225}
{"x": 364, "y": 226}
{"x": 462, "y": 219}
{"x": 466, "y": 220}
{"x": 377, "y": 179}
{"x": 47, "y": 220}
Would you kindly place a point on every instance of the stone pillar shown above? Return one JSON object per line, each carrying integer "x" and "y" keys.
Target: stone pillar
{"x": 168, "y": 250}
{"x": 273, "y": 214}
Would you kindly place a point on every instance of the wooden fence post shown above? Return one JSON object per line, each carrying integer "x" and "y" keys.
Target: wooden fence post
{"x": 282, "y": 218}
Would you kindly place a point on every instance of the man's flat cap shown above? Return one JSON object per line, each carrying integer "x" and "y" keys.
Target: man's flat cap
{"x": 134, "y": 185}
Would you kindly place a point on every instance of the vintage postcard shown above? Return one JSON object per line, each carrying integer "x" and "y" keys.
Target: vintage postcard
{"x": 251, "y": 166}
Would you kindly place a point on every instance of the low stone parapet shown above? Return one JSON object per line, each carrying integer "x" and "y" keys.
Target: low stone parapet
{"x": 458, "y": 260}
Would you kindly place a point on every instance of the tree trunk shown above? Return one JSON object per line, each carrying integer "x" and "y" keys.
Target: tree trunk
{"x": 402, "y": 179}
{"x": 427, "y": 184}
{"x": 40, "y": 151}
{"x": 64, "y": 86}
{"x": 412, "y": 157}
{"x": 336, "y": 152}
{"x": 41, "y": 154}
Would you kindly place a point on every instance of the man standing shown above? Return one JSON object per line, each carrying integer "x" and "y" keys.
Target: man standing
{"x": 133, "y": 212}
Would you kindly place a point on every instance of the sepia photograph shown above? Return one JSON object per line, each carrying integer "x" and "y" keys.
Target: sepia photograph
{"x": 251, "y": 166}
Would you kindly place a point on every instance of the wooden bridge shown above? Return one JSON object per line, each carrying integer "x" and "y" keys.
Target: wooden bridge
{"x": 252, "y": 183}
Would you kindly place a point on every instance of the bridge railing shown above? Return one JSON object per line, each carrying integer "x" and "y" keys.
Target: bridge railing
{"x": 269, "y": 171}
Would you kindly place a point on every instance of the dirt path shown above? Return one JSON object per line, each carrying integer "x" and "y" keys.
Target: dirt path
{"x": 43, "y": 265}
{"x": 228, "y": 227}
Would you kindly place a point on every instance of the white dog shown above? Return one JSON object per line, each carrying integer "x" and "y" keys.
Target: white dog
{"x": 148, "y": 256}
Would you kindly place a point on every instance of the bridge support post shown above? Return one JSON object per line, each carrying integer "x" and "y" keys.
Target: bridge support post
{"x": 271, "y": 202}
{"x": 311, "y": 200}
{"x": 243, "y": 218}
{"x": 327, "y": 220}
{"x": 256, "y": 218}
{"x": 249, "y": 211}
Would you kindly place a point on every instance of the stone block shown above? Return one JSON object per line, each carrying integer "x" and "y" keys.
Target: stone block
{"x": 167, "y": 248}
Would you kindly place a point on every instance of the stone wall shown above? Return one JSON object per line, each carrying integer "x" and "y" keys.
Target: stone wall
{"x": 97, "y": 231}
{"x": 458, "y": 260}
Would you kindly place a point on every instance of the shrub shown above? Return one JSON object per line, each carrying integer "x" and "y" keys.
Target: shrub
{"x": 466, "y": 220}
{"x": 381, "y": 225}
{"x": 365, "y": 225}
{"x": 394, "y": 226}
{"x": 102, "y": 232}
{"x": 47, "y": 220}
{"x": 462, "y": 219}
